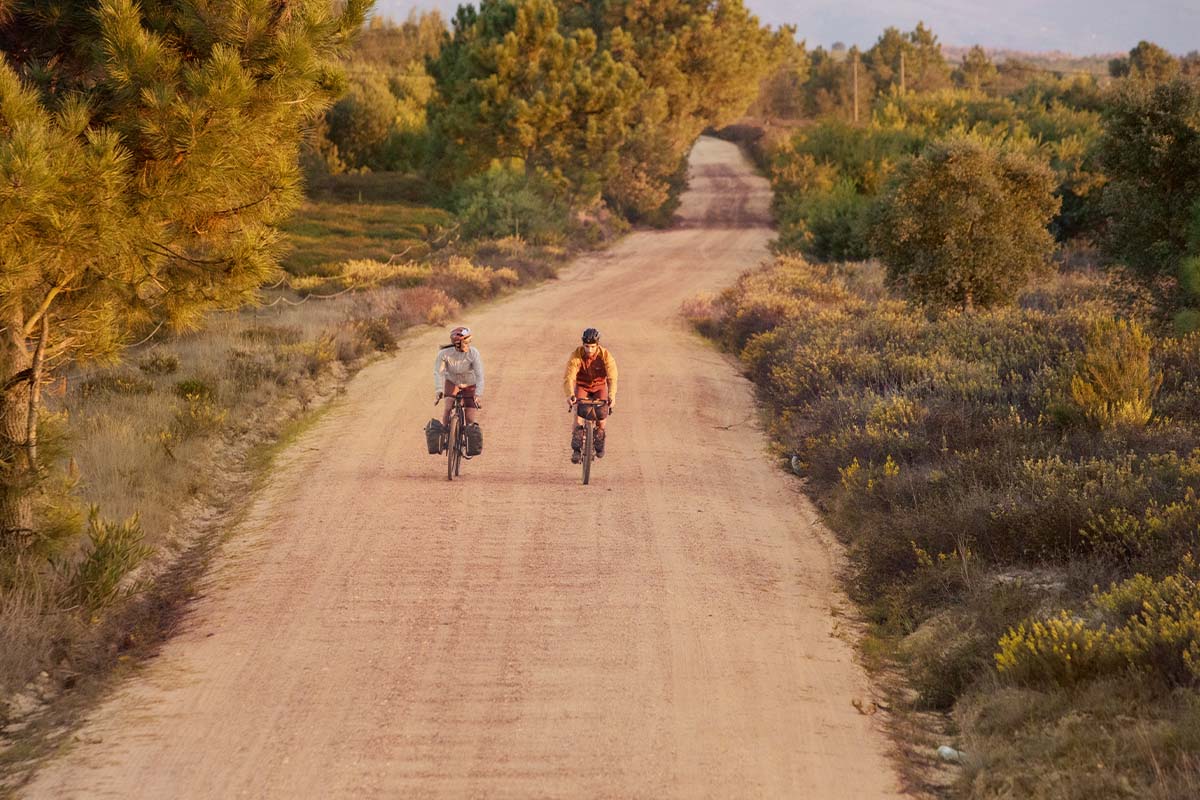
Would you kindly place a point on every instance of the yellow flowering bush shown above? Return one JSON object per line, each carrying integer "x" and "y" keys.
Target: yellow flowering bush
{"x": 1155, "y": 628}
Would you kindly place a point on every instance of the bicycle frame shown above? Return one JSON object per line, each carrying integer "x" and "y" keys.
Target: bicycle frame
{"x": 589, "y": 435}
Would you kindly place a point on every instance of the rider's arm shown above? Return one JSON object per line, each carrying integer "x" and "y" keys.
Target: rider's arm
{"x": 573, "y": 366}
{"x": 477, "y": 365}
{"x": 610, "y": 366}
{"x": 438, "y": 367}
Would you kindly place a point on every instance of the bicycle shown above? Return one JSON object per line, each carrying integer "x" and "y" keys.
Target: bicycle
{"x": 456, "y": 436}
{"x": 588, "y": 411}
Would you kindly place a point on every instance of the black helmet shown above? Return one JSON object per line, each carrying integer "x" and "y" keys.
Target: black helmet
{"x": 591, "y": 336}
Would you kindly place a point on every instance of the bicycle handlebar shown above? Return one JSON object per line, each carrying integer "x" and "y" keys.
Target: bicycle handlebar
{"x": 457, "y": 398}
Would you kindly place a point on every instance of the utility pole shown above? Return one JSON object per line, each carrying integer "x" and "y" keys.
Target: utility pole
{"x": 856, "y": 87}
{"x": 901, "y": 72}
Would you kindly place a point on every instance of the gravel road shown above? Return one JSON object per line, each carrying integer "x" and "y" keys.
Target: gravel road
{"x": 374, "y": 631}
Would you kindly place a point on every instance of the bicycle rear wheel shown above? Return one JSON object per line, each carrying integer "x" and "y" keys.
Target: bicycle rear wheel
{"x": 452, "y": 449}
{"x": 589, "y": 444}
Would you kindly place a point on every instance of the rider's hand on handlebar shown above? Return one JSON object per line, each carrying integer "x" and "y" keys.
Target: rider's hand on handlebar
{"x": 570, "y": 403}
{"x": 612, "y": 405}
{"x": 437, "y": 398}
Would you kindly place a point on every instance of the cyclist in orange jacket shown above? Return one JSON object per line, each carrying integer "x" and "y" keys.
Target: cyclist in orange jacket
{"x": 591, "y": 375}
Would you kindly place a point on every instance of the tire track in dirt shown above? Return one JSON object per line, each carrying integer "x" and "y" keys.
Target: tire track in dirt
{"x": 373, "y": 630}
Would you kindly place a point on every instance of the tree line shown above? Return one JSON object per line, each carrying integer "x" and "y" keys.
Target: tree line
{"x": 965, "y": 185}
{"x": 572, "y": 102}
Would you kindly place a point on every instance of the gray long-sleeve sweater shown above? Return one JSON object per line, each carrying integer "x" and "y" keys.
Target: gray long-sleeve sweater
{"x": 462, "y": 368}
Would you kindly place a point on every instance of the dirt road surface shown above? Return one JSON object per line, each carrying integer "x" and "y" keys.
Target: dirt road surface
{"x": 375, "y": 631}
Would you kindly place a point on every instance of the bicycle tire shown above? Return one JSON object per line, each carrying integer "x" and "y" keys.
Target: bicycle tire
{"x": 462, "y": 443}
{"x": 588, "y": 447}
{"x": 452, "y": 447}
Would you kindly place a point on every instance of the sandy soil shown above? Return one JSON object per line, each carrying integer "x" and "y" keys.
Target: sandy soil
{"x": 373, "y": 630}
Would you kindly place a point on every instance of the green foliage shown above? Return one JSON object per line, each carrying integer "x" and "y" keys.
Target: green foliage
{"x": 780, "y": 93}
{"x": 116, "y": 382}
{"x": 158, "y": 362}
{"x": 1151, "y": 154}
{"x": 113, "y": 551}
{"x": 149, "y": 152}
{"x": 924, "y": 68}
{"x": 829, "y": 225}
{"x": 505, "y": 201}
{"x": 817, "y": 156}
{"x": 398, "y": 46}
{"x": 199, "y": 388}
{"x": 964, "y": 224}
{"x": 362, "y": 122}
{"x": 976, "y": 69}
{"x": 1115, "y": 384}
{"x": 1146, "y": 62}
{"x": 512, "y": 86}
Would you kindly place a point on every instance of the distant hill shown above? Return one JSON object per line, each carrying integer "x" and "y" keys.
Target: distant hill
{"x": 1054, "y": 60}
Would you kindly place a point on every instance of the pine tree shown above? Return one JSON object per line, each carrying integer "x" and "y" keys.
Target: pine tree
{"x": 146, "y": 153}
{"x": 976, "y": 69}
{"x": 513, "y": 86}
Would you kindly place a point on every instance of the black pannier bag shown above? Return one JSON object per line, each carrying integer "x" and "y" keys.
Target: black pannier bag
{"x": 433, "y": 436}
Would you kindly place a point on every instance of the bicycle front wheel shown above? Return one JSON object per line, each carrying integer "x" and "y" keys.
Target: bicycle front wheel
{"x": 452, "y": 448}
{"x": 589, "y": 444}
{"x": 462, "y": 446}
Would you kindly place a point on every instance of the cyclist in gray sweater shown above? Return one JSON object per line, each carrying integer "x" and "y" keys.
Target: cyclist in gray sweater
{"x": 458, "y": 370}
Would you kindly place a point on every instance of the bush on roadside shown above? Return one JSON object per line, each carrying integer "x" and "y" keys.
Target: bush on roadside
{"x": 116, "y": 382}
{"x": 158, "y": 362}
{"x": 964, "y": 225}
{"x": 113, "y": 551}
{"x": 505, "y": 201}
{"x": 1139, "y": 624}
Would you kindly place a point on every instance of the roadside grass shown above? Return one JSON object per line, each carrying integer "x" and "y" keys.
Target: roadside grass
{"x": 1019, "y": 534}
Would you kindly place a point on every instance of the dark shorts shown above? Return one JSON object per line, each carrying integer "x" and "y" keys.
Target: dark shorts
{"x": 468, "y": 393}
{"x": 584, "y": 393}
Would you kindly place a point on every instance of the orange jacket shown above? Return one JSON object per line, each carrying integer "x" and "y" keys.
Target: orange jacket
{"x": 580, "y": 372}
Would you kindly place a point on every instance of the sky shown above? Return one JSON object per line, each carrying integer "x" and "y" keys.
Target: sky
{"x": 1081, "y": 27}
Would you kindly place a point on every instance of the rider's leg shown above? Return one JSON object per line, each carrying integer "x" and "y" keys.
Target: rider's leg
{"x": 577, "y": 435}
{"x": 447, "y": 403}
{"x": 602, "y": 394}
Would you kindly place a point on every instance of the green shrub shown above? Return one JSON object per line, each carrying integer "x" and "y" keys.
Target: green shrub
{"x": 964, "y": 225}
{"x": 116, "y": 383}
{"x": 504, "y": 201}
{"x": 1115, "y": 384}
{"x": 247, "y": 368}
{"x": 273, "y": 334}
{"x": 199, "y": 416}
{"x": 114, "y": 550}
{"x": 826, "y": 225}
{"x": 158, "y": 362}
{"x": 196, "y": 389}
